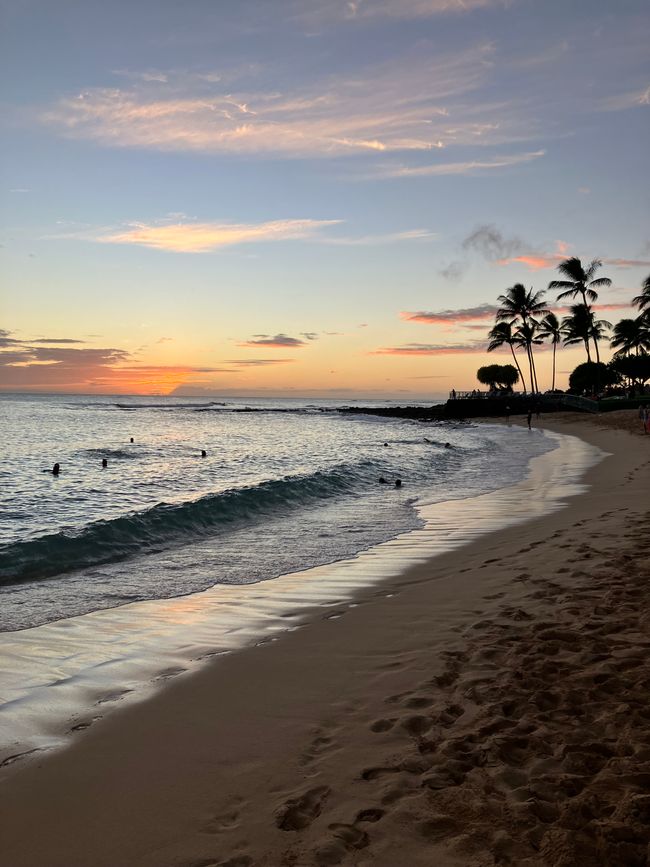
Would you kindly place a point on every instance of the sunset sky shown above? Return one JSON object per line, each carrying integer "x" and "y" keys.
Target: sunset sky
{"x": 308, "y": 197}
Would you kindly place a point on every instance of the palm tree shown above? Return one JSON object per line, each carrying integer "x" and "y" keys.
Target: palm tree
{"x": 631, "y": 335}
{"x": 501, "y": 335}
{"x": 579, "y": 282}
{"x": 598, "y": 331}
{"x": 575, "y": 327}
{"x": 642, "y": 301}
{"x": 550, "y": 328}
{"x": 581, "y": 326}
{"x": 527, "y": 336}
{"x": 518, "y": 303}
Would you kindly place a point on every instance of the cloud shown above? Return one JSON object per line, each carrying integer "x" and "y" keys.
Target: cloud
{"x": 206, "y": 237}
{"x": 632, "y": 99}
{"x": 322, "y": 11}
{"x": 165, "y": 340}
{"x": 451, "y": 317}
{"x": 433, "y": 348}
{"x": 628, "y": 263}
{"x": 457, "y": 168}
{"x": 309, "y": 335}
{"x": 279, "y": 341}
{"x": 28, "y": 366}
{"x": 259, "y": 362}
{"x": 56, "y": 340}
{"x": 390, "y": 238}
{"x": 417, "y": 103}
{"x": 454, "y": 271}
{"x": 490, "y": 243}
{"x": 539, "y": 261}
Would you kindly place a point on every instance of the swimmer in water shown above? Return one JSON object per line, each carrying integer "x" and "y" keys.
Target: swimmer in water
{"x": 204, "y": 454}
{"x": 55, "y": 470}
{"x": 382, "y": 480}
{"x": 398, "y": 483}
{"x": 447, "y": 445}
{"x": 131, "y": 439}
{"x": 104, "y": 463}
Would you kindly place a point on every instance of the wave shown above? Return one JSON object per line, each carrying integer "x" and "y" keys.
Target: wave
{"x": 167, "y": 405}
{"x": 109, "y": 453}
{"x": 165, "y": 525}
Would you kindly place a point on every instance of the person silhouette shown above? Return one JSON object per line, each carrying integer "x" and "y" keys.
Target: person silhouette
{"x": 104, "y": 463}
{"x": 204, "y": 454}
{"x": 55, "y": 470}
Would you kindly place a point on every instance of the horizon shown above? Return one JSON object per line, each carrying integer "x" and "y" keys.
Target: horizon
{"x": 314, "y": 199}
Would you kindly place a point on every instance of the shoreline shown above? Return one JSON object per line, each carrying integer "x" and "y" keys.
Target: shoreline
{"x": 313, "y": 750}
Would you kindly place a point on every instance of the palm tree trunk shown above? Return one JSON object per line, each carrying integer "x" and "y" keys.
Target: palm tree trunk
{"x": 532, "y": 358}
{"x": 588, "y": 350}
{"x": 554, "y": 348}
{"x": 530, "y": 365}
{"x": 521, "y": 376}
{"x": 597, "y": 352}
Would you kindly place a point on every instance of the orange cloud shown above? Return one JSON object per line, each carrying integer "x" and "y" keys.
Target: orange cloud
{"x": 27, "y": 367}
{"x": 539, "y": 261}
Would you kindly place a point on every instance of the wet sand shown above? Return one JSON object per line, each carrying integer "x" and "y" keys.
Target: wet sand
{"x": 490, "y": 706}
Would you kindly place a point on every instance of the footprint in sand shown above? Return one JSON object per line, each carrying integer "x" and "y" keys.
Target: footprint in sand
{"x": 300, "y": 812}
{"x": 382, "y": 725}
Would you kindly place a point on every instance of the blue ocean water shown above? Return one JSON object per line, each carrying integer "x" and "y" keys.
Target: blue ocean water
{"x": 285, "y": 485}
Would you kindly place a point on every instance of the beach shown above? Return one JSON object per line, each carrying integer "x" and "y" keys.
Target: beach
{"x": 487, "y": 706}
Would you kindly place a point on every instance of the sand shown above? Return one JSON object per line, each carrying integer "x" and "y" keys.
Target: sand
{"x": 488, "y": 707}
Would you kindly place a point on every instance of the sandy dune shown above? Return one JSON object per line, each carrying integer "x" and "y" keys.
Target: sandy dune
{"x": 488, "y": 708}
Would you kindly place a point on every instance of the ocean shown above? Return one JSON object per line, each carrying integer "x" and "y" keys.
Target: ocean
{"x": 285, "y": 485}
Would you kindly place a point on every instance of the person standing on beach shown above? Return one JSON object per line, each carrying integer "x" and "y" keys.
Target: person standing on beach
{"x": 529, "y": 418}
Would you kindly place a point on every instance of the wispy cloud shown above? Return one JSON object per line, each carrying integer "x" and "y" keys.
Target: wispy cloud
{"x": 631, "y": 99}
{"x": 433, "y": 348}
{"x": 628, "y": 263}
{"x": 279, "y": 341}
{"x": 451, "y": 317}
{"x": 389, "y": 238}
{"x": 259, "y": 362}
{"x": 415, "y": 103}
{"x": 468, "y": 167}
{"x": 56, "y": 340}
{"x": 206, "y": 237}
{"x": 321, "y": 11}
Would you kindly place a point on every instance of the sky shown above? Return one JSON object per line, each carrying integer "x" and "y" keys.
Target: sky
{"x": 308, "y": 197}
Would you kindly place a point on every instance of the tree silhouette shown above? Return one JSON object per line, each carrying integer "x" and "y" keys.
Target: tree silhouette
{"x": 581, "y": 282}
{"x": 502, "y": 335}
{"x": 520, "y": 306}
